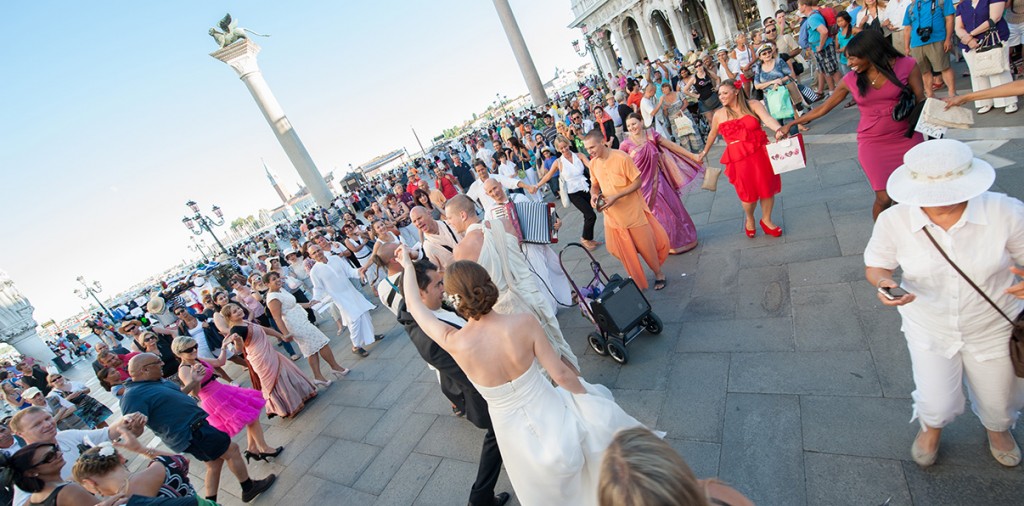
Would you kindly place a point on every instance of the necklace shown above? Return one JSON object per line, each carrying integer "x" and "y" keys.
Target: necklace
{"x": 877, "y": 75}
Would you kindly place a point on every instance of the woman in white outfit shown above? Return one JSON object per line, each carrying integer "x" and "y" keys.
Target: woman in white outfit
{"x": 291, "y": 319}
{"x": 952, "y": 332}
{"x": 551, "y": 438}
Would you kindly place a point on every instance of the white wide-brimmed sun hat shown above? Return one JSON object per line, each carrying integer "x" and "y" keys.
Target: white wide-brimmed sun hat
{"x": 940, "y": 172}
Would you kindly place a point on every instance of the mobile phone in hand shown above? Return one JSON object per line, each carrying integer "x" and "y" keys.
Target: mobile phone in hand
{"x": 892, "y": 293}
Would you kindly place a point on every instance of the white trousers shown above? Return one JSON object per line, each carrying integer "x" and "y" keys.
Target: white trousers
{"x": 360, "y": 330}
{"x": 983, "y": 83}
{"x": 995, "y": 392}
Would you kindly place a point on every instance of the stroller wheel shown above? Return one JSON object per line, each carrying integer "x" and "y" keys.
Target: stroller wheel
{"x": 618, "y": 352}
{"x": 598, "y": 343}
{"x": 652, "y": 323}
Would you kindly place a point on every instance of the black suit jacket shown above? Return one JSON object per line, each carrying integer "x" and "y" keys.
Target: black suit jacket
{"x": 476, "y": 406}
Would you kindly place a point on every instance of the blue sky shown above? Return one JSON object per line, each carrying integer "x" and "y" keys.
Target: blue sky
{"x": 115, "y": 115}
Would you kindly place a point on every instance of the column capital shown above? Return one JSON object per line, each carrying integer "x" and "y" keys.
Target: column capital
{"x": 240, "y": 56}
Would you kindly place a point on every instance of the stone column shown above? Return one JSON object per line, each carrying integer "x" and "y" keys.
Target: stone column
{"x": 522, "y": 53}
{"x": 681, "y": 30}
{"x": 719, "y": 24}
{"x": 767, "y": 8}
{"x": 628, "y": 58}
{"x": 651, "y": 43}
{"x": 241, "y": 56}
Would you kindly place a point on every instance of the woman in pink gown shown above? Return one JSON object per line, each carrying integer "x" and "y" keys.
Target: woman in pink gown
{"x": 878, "y": 75}
{"x": 284, "y": 387}
{"x": 668, "y": 172}
{"x": 230, "y": 408}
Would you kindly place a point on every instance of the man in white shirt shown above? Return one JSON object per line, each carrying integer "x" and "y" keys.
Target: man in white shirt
{"x": 485, "y": 155}
{"x": 476, "y": 190}
{"x": 35, "y": 425}
{"x": 612, "y": 110}
{"x": 728, "y": 68}
{"x": 330, "y": 278}
{"x": 893, "y": 20}
{"x": 439, "y": 239}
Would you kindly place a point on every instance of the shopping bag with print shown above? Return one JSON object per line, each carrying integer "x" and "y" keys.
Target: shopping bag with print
{"x": 786, "y": 155}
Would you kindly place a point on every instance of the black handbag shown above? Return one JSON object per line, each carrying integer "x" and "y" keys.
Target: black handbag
{"x": 1016, "y": 334}
{"x": 904, "y": 104}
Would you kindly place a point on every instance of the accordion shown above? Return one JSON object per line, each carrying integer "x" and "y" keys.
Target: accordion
{"x": 532, "y": 222}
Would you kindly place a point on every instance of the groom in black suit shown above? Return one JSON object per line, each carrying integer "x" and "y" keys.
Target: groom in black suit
{"x": 455, "y": 384}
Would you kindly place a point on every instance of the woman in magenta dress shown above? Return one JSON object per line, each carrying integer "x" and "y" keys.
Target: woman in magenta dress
{"x": 746, "y": 158}
{"x": 668, "y": 171}
{"x": 230, "y": 408}
{"x": 878, "y": 74}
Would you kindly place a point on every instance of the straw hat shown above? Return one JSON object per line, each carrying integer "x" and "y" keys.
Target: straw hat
{"x": 156, "y": 305}
{"x": 940, "y": 172}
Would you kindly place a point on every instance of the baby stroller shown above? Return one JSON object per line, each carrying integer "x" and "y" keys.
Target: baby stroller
{"x": 615, "y": 306}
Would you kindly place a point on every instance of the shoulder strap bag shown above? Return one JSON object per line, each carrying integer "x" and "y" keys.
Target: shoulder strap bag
{"x": 1016, "y": 335}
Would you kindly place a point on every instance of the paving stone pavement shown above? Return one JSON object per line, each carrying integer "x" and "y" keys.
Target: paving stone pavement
{"x": 778, "y": 371}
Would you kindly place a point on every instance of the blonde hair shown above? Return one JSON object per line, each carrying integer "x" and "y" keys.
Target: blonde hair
{"x": 180, "y": 343}
{"x": 641, "y": 469}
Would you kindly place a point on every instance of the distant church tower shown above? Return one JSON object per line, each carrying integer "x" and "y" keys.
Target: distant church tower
{"x": 273, "y": 182}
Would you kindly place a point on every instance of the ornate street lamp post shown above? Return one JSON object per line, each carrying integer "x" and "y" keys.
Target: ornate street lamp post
{"x": 91, "y": 289}
{"x": 205, "y": 223}
{"x": 590, "y": 47}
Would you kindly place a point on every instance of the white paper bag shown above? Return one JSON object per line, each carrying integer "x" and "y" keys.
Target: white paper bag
{"x": 786, "y": 155}
{"x": 683, "y": 126}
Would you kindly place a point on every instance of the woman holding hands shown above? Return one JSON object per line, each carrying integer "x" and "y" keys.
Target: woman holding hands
{"x": 746, "y": 157}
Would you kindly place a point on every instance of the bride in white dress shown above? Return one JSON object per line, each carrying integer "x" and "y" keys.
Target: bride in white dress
{"x": 292, "y": 319}
{"x": 551, "y": 439}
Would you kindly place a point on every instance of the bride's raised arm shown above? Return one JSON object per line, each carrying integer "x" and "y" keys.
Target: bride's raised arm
{"x": 549, "y": 359}
{"x": 434, "y": 328}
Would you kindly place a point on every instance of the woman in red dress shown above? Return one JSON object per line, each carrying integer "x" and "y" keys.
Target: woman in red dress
{"x": 746, "y": 157}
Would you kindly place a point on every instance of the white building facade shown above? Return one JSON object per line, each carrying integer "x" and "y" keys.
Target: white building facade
{"x": 636, "y": 29}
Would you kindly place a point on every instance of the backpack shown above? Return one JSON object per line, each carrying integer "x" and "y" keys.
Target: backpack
{"x": 829, "y": 14}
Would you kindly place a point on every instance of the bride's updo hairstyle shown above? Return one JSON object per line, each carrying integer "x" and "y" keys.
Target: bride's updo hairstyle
{"x": 471, "y": 287}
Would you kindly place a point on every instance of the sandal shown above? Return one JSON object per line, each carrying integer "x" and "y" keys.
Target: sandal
{"x": 458, "y": 412}
{"x": 659, "y": 284}
{"x": 361, "y": 352}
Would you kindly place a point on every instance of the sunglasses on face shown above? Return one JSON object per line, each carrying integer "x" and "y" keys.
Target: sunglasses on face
{"x": 49, "y": 456}
{"x": 190, "y": 349}
{"x": 150, "y": 338}
{"x": 130, "y": 329}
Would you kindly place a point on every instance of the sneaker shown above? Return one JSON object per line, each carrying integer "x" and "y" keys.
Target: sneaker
{"x": 1012, "y": 108}
{"x": 985, "y": 109}
{"x": 257, "y": 487}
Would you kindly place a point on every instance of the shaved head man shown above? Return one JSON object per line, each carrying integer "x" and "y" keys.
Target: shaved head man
{"x": 181, "y": 424}
{"x": 439, "y": 239}
{"x": 494, "y": 246}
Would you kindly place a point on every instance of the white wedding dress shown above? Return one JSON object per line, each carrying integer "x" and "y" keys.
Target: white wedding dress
{"x": 309, "y": 338}
{"x": 551, "y": 440}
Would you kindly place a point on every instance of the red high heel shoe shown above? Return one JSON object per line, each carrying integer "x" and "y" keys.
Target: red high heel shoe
{"x": 774, "y": 232}
{"x": 750, "y": 231}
